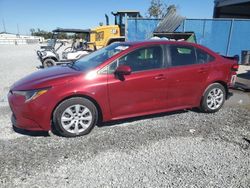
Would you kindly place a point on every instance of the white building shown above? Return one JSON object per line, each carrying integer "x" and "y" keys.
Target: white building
{"x": 7, "y": 38}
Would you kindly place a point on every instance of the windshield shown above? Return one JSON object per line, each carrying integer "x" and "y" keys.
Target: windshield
{"x": 96, "y": 58}
{"x": 51, "y": 42}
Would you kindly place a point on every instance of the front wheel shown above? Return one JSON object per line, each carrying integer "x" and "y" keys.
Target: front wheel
{"x": 213, "y": 98}
{"x": 75, "y": 117}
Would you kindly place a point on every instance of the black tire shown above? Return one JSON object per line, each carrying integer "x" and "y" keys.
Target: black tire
{"x": 49, "y": 63}
{"x": 69, "y": 104}
{"x": 216, "y": 103}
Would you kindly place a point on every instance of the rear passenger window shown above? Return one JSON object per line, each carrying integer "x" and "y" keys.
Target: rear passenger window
{"x": 203, "y": 57}
{"x": 182, "y": 55}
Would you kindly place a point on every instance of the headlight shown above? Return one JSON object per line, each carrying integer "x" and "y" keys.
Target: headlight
{"x": 31, "y": 94}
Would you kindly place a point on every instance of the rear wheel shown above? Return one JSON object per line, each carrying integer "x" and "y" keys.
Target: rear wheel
{"x": 213, "y": 98}
{"x": 75, "y": 117}
{"x": 49, "y": 62}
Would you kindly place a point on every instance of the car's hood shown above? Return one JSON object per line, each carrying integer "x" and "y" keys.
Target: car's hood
{"x": 45, "y": 78}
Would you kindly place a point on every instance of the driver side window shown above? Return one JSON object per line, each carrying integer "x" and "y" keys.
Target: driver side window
{"x": 140, "y": 60}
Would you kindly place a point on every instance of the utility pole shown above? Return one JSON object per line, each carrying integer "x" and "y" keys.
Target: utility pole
{"x": 4, "y": 29}
{"x": 17, "y": 29}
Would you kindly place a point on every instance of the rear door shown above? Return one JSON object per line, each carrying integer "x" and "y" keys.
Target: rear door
{"x": 186, "y": 75}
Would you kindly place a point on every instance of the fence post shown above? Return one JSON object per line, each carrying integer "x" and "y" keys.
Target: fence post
{"x": 136, "y": 29}
{"x": 230, "y": 37}
{"x": 183, "y": 29}
{"x": 126, "y": 30}
{"x": 204, "y": 25}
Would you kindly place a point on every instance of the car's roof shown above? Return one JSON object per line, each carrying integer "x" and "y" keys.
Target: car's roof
{"x": 153, "y": 41}
{"x": 161, "y": 41}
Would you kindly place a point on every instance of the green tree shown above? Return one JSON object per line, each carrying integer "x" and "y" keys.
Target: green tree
{"x": 171, "y": 8}
{"x": 40, "y": 33}
{"x": 158, "y": 9}
{"x": 32, "y": 31}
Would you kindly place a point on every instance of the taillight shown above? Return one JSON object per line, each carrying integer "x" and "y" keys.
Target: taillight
{"x": 235, "y": 67}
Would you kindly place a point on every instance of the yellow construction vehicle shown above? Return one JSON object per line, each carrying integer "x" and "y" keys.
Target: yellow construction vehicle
{"x": 104, "y": 35}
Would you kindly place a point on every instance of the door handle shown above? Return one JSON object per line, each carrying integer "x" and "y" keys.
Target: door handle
{"x": 160, "y": 77}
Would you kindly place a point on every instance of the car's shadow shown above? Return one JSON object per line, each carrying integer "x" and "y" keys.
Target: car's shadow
{"x": 31, "y": 133}
{"x": 152, "y": 116}
{"x": 111, "y": 123}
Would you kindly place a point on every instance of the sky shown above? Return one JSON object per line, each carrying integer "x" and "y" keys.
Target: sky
{"x": 47, "y": 15}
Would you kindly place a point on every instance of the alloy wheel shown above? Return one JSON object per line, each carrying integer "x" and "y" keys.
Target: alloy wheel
{"x": 215, "y": 98}
{"x": 76, "y": 119}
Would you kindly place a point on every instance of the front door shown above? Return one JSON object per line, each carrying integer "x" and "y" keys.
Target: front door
{"x": 144, "y": 90}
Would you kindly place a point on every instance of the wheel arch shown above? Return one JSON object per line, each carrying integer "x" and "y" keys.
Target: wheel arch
{"x": 203, "y": 106}
{"x": 224, "y": 84}
{"x": 99, "y": 110}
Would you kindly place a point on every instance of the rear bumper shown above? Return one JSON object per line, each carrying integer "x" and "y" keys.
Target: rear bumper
{"x": 232, "y": 81}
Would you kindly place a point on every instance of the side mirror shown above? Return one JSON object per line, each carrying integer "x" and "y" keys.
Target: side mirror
{"x": 123, "y": 70}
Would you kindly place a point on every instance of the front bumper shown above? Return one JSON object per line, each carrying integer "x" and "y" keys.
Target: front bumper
{"x": 25, "y": 124}
{"x": 29, "y": 116}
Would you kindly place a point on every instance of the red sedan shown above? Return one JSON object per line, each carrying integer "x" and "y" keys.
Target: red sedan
{"x": 120, "y": 81}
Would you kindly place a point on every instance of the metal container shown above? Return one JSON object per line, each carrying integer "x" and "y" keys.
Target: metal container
{"x": 245, "y": 57}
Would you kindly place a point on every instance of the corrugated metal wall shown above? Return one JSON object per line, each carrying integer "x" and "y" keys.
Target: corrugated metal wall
{"x": 225, "y": 36}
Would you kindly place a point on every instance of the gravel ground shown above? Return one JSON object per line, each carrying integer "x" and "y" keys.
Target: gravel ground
{"x": 179, "y": 149}
{"x": 16, "y": 61}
